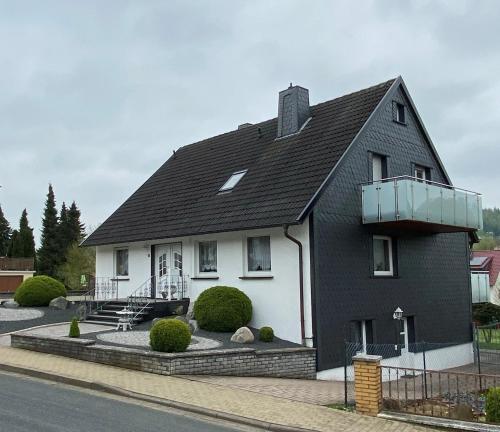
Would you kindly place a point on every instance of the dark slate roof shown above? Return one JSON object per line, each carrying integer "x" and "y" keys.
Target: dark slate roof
{"x": 181, "y": 197}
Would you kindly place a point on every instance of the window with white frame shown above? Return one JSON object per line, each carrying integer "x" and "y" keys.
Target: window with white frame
{"x": 207, "y": 256}
{"x": 382, "y": 256}
{"x": 259, "y": 253}
{"x": 232, "y": 181}
{"x": 121, "y": 262}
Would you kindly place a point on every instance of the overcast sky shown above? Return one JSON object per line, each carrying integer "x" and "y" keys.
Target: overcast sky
{"x": 95, "y": 95}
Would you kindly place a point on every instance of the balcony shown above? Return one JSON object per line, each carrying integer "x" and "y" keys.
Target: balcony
{"x": 421, "y": 205}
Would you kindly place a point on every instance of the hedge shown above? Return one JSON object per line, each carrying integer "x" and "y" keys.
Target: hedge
{"x": 170, "y": 335}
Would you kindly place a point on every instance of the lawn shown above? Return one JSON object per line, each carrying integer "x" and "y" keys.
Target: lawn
{"x": 489, "y": 338}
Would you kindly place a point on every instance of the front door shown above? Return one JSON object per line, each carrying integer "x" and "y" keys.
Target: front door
{"x": 168, "y": 270}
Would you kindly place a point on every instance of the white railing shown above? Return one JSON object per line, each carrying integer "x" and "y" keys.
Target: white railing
{"x": 409, "y": 198}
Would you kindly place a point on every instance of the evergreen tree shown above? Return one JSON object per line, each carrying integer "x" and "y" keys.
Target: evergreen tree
{"x": 76, "y": 227}
{"x": 5, "y": 234}
{"x": 49, "y": 254}
{"x": 26, "y": 237}
{"x": 64, "y": 231}
{"x": 13, "y": 248}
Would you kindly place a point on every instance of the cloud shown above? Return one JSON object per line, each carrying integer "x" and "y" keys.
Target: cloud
{"x": 97, "y": 95}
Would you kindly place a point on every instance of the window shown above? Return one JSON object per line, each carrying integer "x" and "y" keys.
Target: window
{"x": 400, "y": 114}
{"x": 379, "y": 167}
{"x": 162, "y": 265}
{"x": 362, "y": 335}
{"x": 233, "y": 181}
{"x": 177, "y": 261}
{"x": 259, "y": 253}
{"x": 421, "y": 172}
{"x": 121, "y": 262}
{"x": 382, "y": 256}
{"x": 207, "y": 257}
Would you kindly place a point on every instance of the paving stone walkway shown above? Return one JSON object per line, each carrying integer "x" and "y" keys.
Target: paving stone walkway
{"x": 205, "y": 395}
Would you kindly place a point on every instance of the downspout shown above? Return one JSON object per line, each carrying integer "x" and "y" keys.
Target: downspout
{"x": 301, "y": 281}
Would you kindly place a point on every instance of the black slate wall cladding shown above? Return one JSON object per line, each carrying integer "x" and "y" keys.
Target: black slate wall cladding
{"x": 433, "y": 281}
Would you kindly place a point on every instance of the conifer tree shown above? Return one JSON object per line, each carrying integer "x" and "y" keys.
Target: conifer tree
{"x": 5, "y": 234}
{"x": 14, "y": 244}
{"x": 49, "y": 254}
{"x": 76, "y": 227}
{"x": 26, "y": 239}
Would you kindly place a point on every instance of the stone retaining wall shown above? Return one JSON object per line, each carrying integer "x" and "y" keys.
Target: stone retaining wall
{"x": 278, "y": 363}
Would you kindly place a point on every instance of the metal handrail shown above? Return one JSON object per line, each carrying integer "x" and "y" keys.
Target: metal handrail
{"x": 90, "y": 299}
{"x": 407, "y": 177}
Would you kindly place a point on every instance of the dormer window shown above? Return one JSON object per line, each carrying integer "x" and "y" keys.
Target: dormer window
{"x": 232, "y": 181}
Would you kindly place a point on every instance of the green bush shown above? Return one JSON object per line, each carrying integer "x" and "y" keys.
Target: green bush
{"x": 266, "y": 334}
{"x": 74, "y": 330}
{"x": 485, "y": 313}
{"x": 222, "y": 309}
{"x": 39, "y": 291}
{"x": 170, "y": 335}
{"x": 493, "y": 405}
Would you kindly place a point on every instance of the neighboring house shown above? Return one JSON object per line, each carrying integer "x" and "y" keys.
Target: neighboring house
{"x": 485, "y": 269}
{"x": 329, "y": 217}
{"x": 13, "y": 271}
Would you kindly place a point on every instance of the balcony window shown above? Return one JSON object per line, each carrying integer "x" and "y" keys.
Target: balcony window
{"x": 121, "y": 262}
{"x": 207, "y": 257}
{"x": 259, "y": 253}
{"x": 379, "y": 167}
{"x": 382, "y": 256}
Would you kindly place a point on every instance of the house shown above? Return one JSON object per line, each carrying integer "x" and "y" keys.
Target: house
{"x": 13, "y": 271}
{"x": 485, "y": 268}
{"x": 329, "y": 217}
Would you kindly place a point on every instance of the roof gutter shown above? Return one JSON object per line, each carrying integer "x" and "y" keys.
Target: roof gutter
{"x": 301, "y": 281}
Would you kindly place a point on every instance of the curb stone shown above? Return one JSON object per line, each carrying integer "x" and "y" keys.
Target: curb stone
{"x": 95, "y": 385}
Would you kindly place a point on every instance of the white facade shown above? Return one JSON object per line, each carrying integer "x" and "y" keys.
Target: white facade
{"x": 436, "y": 359}
{"x": 275, "y": 295}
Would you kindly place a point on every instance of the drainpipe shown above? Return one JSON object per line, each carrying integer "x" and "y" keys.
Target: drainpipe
{"x": 301, "y": 281}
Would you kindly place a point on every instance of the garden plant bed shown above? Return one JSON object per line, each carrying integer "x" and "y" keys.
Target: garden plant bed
{"x": 49, "y": 316}
{"x": 223, "y": 338}
{"x": 278, "y": 363}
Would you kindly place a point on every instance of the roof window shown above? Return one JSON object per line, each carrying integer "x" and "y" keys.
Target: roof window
{"x": 233, "y": 181}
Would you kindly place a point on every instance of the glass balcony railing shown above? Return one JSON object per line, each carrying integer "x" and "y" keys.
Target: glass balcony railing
{"x": 410, "y": 199}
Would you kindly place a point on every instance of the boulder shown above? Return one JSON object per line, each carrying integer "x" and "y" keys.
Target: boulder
{"x": 243, "y": 335}
{"x": 181, "y": 318}
{"x": 193, "y": 326}
{"x": 190, "y": 312}
{"x": 81, "y": 312}
{"x": 58, "y": 303}
{"x": 11, "y": 304}
{"x": 179, "y": 310}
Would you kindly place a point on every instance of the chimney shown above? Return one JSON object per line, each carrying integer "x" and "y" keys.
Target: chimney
{"x": 293, "y": 110}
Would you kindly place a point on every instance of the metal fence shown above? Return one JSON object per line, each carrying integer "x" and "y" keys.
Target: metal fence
{"x": 448, "y": 394}
{"x": 421, "y": 355}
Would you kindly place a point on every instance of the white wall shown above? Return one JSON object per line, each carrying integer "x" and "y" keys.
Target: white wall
{"x": 275, "y": 301}
{"x": 438, "y": 359}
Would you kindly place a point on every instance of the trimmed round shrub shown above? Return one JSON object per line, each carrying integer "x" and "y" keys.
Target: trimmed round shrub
{"x": 169, "y": 335}
{"x": 222, "y": 309}
{"x": 266, "y": 334}
{"x": 39, "y": 291}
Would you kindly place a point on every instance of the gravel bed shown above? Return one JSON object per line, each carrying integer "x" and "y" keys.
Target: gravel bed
{"x": 140, "y": 338}
{"x": 223, "y": 338}
{"x": 49, "y": 316}
{"x": 19, "y": 314}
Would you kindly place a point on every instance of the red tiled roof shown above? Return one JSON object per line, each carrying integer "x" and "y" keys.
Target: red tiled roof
{"x": 492, "y": 265}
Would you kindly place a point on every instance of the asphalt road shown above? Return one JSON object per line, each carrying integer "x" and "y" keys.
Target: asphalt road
{"x": 29, "y": 405}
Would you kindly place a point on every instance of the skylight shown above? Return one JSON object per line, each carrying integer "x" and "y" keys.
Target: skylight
{"x": 233, "y": 181}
